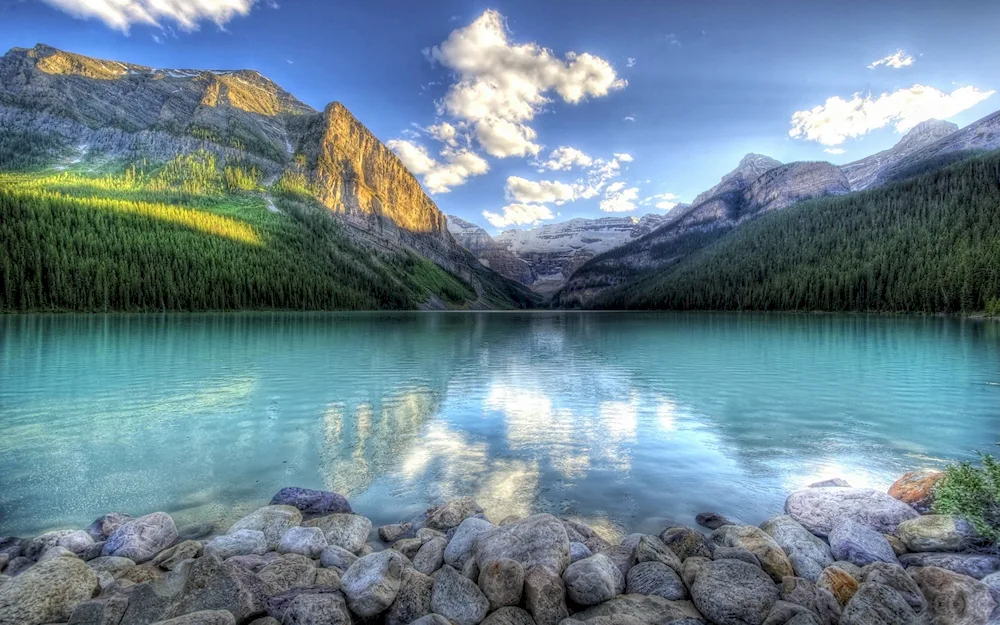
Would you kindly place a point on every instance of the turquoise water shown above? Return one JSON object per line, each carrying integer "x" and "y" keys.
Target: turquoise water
{"x": 628, "y": 421}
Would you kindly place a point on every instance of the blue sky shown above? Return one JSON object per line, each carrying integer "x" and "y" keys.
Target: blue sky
{"x": 709, "y": 82}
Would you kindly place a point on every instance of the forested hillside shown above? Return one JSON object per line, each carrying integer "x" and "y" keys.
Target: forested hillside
{"x": 927, "y": 244}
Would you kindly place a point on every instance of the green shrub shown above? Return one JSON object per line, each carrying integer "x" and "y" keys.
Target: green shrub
{"x": 973, "y": 493}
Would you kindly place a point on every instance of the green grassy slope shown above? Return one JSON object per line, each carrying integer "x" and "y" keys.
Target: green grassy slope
{"x": 927, "y": 244}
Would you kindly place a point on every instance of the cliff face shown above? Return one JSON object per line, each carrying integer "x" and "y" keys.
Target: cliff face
{"x": 488, "y": 252}
{"x": 869, "y": 171}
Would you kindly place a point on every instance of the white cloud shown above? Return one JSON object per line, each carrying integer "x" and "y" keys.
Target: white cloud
{"x": 564, "y": 158}
{"x": 673, "y": 40}
{"x": 445, "y": 133}
{"x": 502, "y": 137}
{"x": 629, "y": 118}
{"x": 664, "y": 201}
{"x": 457, "y": 165}
{"x": 518, "y": 215}
{"x": 838, "y": 119}
{"x": 121, "y": 14}
{"x": 623, "y": 157}
{"x": 539, "y": 192}
{"x": 834, "y": 151}
{"x": 618, "y": 199}
{"x": 630, "y": 62}
{"x": 897, "y": 60}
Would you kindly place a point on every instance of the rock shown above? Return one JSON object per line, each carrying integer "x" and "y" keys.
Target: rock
{"x": 652, "y": 549}
{"x": 316, "y": 609}
{"x": 583, "y": 533}
{"x": 818, "y": 601}
{"x": 859, "y": 544}
{"x": 938, "y": 532}
{"x": 451, "y": 514}
{"x": 785, "y": 612}
{"x": 992, "y": 582}
{"x": 458, "y": 598}
{"x": 502, "y": 582}
{"x": 654, "y": 578}
{"x": 35, "y": 547}
{"x": 426, "y": 534}
{"x": 329, "y": 578}
{"x": 274, "y": 521}
{"x": 755, "y": 540}
{"x": 730, "y": 592}
{"x": 195, "y": 531}
{"x": 170, "y": 558}
{"x": 460, "y": 546}
{"x": 631, "y": 541}
{"x": 808, "y": 554}
{"x": 238, "y": 543}
{"x": 111, "y": 564}
{"x": 141, "y": 573}
{"x": 312, "y": 501}
{"x": 408, "y": 546}
{"x": 106, "y": 525}
{"x": 686, "y": 542}
{"x": 431, "y": 619}
{"x": 143, "y": 538}
{"x": 279, "y": 603}
{"x": 204, "y": 617}
{"x": 544, "y": 594}
{"x": 47, "y": 592}
{"x": 212, "y": 584}
{"x": 337, "y": 558}
{"x": 898, "y": 546}
{"x": 579, "y": 551}
{"x": 18, "y": 565}
{"x": 430, "y": 556}
{"x": 291, "y": 571}
{"x": 392, "y": 533}
{"x": 623, "y": 556}
{"x": 537, "y": 540}
{"x": 916, "y": 488}
{"x": 4, "y": 559}
{"x": 265, "y": 620}
{"x": 736, "y": 553}
{"x": 974, "y": 565}
{"x": 372, "y": 582}
{"x": 349, "y": 531}
{"x": 593, "y": 580}
{"x": 254, "y": 563}
{"x": 56, "y": 551}
{"x": 851, "y": 569}
{"x": 306, "y": 541}
{"x": 471, "y": 570}
{"x": 413, "y": 601}
{"x": 78, "y": 542}
{"x": 953, "y": 598}
{"x": 875, "y": 603}
{"x": 820, "y": 509}
{"x": 506, "y": 616}
{"x": 647, "y": 610}
{"x": 692, "y": 566}
{"x": 835, "y": 482}
{"x": 841, "y": 584}
{"x": 714, "y": 520}
{"x": 895, "y": 577}
{"x": 105, "y": 610}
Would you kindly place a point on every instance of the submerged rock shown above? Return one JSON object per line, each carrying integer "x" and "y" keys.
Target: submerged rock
{"x": 141, "y": 539}
{"x": 820, "y": 509}
{"x": 311, "y": 501}
{"x": 714, "y": 520}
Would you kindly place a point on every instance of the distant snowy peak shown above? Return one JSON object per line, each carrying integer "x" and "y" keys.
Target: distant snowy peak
{"x": 873, "y": 169}
{"x": 593, "y": 235}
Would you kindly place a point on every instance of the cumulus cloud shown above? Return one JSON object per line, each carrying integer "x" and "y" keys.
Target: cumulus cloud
{"x": 456, "y": 166}
{"x": 664, "y": 201}
{"x": 623, "y": 157}
{"x": 838, "y": 119}
{"x": 539, "y": 192}
{"x": 565, "y": 158}
{"x": 188, "y": 14}
{"x": 897, "y": 60}
{"x": 445, "y": 133}
{"x": 618, "y": 199}
{"x": 518, "y": 215}
{"x": 502, "y": 138}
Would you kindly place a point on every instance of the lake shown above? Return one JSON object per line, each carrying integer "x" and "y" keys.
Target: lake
{"x": 629, "y": 421}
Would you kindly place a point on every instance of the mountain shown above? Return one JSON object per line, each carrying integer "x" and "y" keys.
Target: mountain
{"x": 490, "y": 253}
{"x": 871, "y": 171}
{"x": 210, "y": 144}
{"x": 751, "y": 167}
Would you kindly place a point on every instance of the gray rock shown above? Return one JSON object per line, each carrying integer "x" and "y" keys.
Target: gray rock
{"x": 143, "y": 538}
{"x": 808, "y": 554}
{"x": 253, "y": 563}
{"x": 820, "y": 509}
{"x": 623, "y": 556}
{"x": 544, "y": 595}
{"x": 413, "y": 601}
{"x": 238, "y": 543}
{"x": 655, "y": 578}
{"x": 460, "y": 546}
{"x": 647, "y": 610}
{"x": 755, "y": 540}
{"x": 306, "y": 541}
{"x": 954, "y": 598}
{"x": 652, "y": 549}
{"x": 471, "y": 570}
{"x": 736, "y": 553}
{"x": 392, "y": 533}
{"x": 279, "y": 603}
{"x": 349, "y": 531}
{"x": 274, "y": 521}
{"x": 686, "y": 542}
{"x": 104, "y": 527}
{"x": 851, "y": 569}
{"x": 692, "y": 566}
{"x": 430, "y": 556}
{"x": 204, "y": 617}
{"x": 317, "y": 609}
{"x": 329, "y": 578}
{"x": 111, "y": 564}
{"x": 426, "y": 534}
{"x": 631, "y": 541}
{"x": 47, "y": 592}
{"x": 337, "y": 558}
{"x": 211, "y": 584}
{"x": 408, "y": 546}
{"x": 78, "y": 542}
{"x": 431, "y": 619}
{"x": 895, "y": 577}
{"x": 171, "y": 558}
{"x": 819, "y": 601}
{"x": 195, "y": 531}
{"x": 372, "y": 582}
{"x": 859, "y": 544}
{"x": 974, "y": 565}
{"x": 582, "y": 533}
{"x": 785, "y": 613}
{"x": 730, "y": 592}
{"x": 593, "y": 580}
{"x": 537, "y": 540}
{"x": 502, "y": 582}
{"x": 291, "y": 571}
{"x": 108, "y": 609}
{"x": 714, "y": 520}
{"x": 875, "y": 603}
{"x": 311, "y": 501}
{"x": 835, "y": 482}
{"x": 992, "y": 582}
{"x": 265, "y": 620}
{"x": 18, "y": 565}
{"x": 451, "y": 514}
{"x": 56, "y": 551}
{"x": 507, "y": 616}
{"x": 458, "y": 598}
{"x": 579, "y": 551}
{"x": 938, "y": 532}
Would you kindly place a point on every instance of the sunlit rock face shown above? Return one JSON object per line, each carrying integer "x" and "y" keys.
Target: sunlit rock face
{"x": 490, "y": 253}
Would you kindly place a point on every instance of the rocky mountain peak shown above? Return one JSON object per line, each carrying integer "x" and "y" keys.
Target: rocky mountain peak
{"x": 751, "y": 167}
{"x": 925, "y": 133}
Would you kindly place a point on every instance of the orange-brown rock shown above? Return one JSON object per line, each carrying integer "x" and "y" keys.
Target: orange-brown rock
{"x": 917, "y": 488}
{"x": 839, "y": 583}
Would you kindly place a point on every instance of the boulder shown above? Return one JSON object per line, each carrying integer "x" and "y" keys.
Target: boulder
{"x": 974, "y": 565}
{"x": 938, "y": 532}
{"x": 582, "y": 533}
{"x": 992, "y": 582}
{"x": 820, "y": 509}
{"x": 47, "y": 592}
{"x": 349, "y": 531}
{"x": 841, "y": 584}
{"x": 714, "y": 520}
{"x": 78, "y": 542}
{"x": 316, "y": 609}
{"x": 876, "y": 603}
{"x": 238, "y": 543}
{"x": 859, "y": 544}
{"x": 18, "y": 565}
{"x": 337, "y": 558}
{"x": 211, "y": 584}
{"x": 392, "y": 533}
{"x": 413, "y": 601}
{"x": 623, "y": 556}
{"x": 851, "y": 569}
{"x": 953, "y": 598}
{"x": 254, "y": 563}
{"x": 306, "y": 541}
{"x": 835, "y": 482}
{"x": 291, "y": 571}
{"x": 654, "y": 578}
{"x": 593, "y": 580}
{"x": 451, "y": 514}
{"x": 686, "y": 542}
{"x": 372, "y": 582}
{"x": 460, "y": 546}
{"x": 808, "y": 554}
{"x": 579, "y": 551}
{"x": 818, "y": 601}
{"x": 274, "y": 521}
{"x": 408, "y": 546}
{"x": 471, "y": 570}
{"x": 457, "y": 598}
{"x": 277, "y": 604}
{"x": 787, "y": 613}
{"x": 204, "y": 617}
{"x": 545, "y": 595}
{"x": 898, "y": 546}
{"x": 171, "y": 558}
{"x": 692, "y": 566}
{"x": 916, "y": 489}
{"x": 430, "y": 556}
{"x": 56, "y": 551}
{"x": 311, "y": 501}
{"x": 755, "y": 540}
{"x": 111, "y": 564}
{"x": 652, "y": 549}
{"x": 141, "y": 539}
{"x": 108, "y": 609}
{"x": 895, "y": 577}
{"x": 539, "y": 540}
{"x": 431, "y": 619}
{"x": 730, "y": 592}
{"x": 506, "y": 616}
{"x": 426, "y": 534}
{"x": 641, "y": 609}
{"x": 736, "y": 553}
{"x": 502, "y": 582}
{"x": 105, "y": 526}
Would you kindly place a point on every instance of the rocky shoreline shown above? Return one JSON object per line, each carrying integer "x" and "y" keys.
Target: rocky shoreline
{"x": 838, "y": 554}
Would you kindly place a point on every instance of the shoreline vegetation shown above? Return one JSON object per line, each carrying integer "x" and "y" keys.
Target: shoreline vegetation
{"x": 925, "y": 552}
